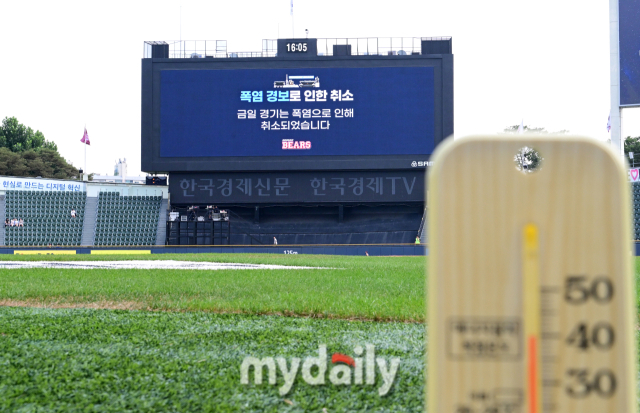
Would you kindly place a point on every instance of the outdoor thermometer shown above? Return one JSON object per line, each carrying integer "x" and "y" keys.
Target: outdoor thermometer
{"x": 529, "y": 278}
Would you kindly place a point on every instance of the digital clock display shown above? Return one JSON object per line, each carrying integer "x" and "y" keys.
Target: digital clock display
{"x": 297, "y": 47}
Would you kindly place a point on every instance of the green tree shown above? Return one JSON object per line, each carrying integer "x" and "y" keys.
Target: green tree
{"x": 36, "y": 166}
{"x": 45, "y": 163}
{"x": 12, "y": 163}
{"x": 24, "y": 152}
{"x": 632, "y": 144}
{"x": 60, "y": 168}
{"x": 19, "y": 138}
{"x": 50, "y": 145}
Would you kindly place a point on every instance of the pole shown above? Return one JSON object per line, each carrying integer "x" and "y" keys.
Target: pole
{"x": 614, "y": 45}
{"x": 84, "y": 171}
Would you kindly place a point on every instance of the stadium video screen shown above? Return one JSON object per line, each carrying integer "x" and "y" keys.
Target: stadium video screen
{"x": 297, "y": 112}
{"x": 629, "y": 61}
{"x": 292, "y": 113}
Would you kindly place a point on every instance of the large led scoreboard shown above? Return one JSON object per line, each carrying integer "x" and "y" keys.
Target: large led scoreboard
{"x": 295, "y": 111}
{"x": 295, "y": 117}
{"x": 292, "y": 113}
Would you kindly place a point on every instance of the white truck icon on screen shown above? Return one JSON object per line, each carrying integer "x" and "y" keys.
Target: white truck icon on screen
{"x": 303, "y": 81}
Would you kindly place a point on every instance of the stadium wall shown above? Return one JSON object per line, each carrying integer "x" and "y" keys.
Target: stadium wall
{"x": 373, "y": 250}
{"x": 353, "y": 250}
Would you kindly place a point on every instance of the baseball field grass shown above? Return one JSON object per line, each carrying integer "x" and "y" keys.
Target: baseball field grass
{"x": 180, "y": 344}
{"x": 80, "y": 360}
{"x": 65, "y": 346}
{"x": 367, "y": 288}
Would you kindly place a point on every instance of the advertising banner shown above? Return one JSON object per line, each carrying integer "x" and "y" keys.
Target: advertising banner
{"x": 8, "y": 183}
{"x": 300, "y": 187}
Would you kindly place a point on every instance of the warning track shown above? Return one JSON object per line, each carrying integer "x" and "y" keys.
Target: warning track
{"x": 145, "y": 265}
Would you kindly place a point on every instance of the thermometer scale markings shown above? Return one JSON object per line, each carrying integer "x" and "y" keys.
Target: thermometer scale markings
{"x": 549, "y": 337}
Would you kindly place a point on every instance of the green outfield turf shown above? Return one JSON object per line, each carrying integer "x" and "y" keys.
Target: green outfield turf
{"x": 79, "y": 360}
{"x": 91, "y": 360}
{"x": 371, "y": 288}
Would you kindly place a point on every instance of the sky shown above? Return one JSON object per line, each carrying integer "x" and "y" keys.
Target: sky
{"x": 67, "y": 64}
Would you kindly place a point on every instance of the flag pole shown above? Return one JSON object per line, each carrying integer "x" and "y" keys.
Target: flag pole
{"x": 85, "y": 154}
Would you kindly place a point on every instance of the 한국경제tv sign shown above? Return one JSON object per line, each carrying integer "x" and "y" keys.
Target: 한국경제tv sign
{"x": 297, "y": 187}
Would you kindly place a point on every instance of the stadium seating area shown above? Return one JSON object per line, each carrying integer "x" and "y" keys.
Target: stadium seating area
{"x": 47, "y": 217}
{"x": 127, "y": 220}
{"x": 133, "y": 220}
{"x": 381, "y": 224}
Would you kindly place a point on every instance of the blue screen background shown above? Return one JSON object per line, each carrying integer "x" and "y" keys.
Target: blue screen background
{"x": 393, "y": 112}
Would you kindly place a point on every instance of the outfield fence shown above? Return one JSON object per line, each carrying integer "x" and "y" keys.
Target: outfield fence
{"x": 362, "y": 249}
{"x": 328, "y": 249}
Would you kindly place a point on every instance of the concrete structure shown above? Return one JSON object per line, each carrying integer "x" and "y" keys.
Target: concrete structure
{"x": 30, "y": 188}
{"x": 118, "y": 179}
{"x": 89, "y": 226}
{"x": 2, "y": 218}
